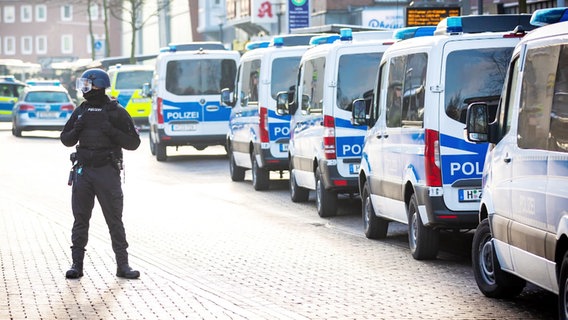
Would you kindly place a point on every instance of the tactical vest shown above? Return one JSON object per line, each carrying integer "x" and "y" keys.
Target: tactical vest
{"x": 92, "y": 136}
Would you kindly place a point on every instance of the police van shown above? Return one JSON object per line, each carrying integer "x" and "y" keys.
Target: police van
{"x": 10, "y": 90}
{"x": 416, "y": 167}
{"x": 325, "y": 149}
{"x": 523, "y": 230}
{"x": 186, "y": 87}
{"x": 258, "y": 136}
{"x": 126, "y": 82}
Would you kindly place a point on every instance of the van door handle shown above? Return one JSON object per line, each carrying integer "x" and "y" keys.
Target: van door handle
{"x": 507, "y": 158}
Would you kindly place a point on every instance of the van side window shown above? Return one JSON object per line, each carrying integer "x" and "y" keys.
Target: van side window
{"x": 375, "y": 109}
{"x": 284, "y": 72}
{"x": 313, "y": 86}
{"x": 475, "y": 75}
{"x": 249, "y": 90}
{"x": 354, "y": 77}
{"x": 536, "y": 97}
{"x": 559, "y": 114}
{"x": 414, "y": 90}
{"x": 394, "y": 91}
{"x": 508, "y": 103}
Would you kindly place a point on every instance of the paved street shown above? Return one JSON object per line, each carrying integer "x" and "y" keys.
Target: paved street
{"x": 210, "y": 248}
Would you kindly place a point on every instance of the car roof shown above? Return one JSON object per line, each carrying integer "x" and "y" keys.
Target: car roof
{"x": 45, "y": 88}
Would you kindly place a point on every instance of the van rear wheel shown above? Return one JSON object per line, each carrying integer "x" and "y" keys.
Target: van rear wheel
{"x": 491, "y": 280}
{"x": 326, "y": 200}
{"x": 260, "y": 176}
{"x": 424, "y": 242}
{"x": 563, "y": 289}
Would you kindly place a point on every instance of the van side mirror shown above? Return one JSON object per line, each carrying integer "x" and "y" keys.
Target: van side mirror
{"x": 477, "y": 124}
{"x": 359, "y": 113}
{"x": 146, "y": 92}
{"x": 227, "y": 97}
{"x": 282, "y": 103}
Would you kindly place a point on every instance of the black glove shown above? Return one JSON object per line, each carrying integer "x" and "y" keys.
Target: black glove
{"x": 79, "y": 125}
{"x": 108, "y": 129}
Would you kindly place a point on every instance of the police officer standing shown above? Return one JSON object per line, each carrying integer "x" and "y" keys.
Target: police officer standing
{"x": 102, "y": 128}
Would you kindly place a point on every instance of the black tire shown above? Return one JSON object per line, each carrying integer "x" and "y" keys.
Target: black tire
{"x": 237, "y": 173}
{"x": 374, "y": 227}
{"x": 260, "y": 176}
{"x": 161, "y": 152}
{"x": 491, "y": 280}
{"x": 16, "y": 131}
{"x": 563, "y": 289}
{"x": 297, "y": 193}
{"x": 424, "y": 242}
{"x": 152, "y": 145}
{"x": 326, "y": 200}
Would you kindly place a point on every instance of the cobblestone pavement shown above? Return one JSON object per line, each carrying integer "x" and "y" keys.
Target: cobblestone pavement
{"x": 208, "y": 248}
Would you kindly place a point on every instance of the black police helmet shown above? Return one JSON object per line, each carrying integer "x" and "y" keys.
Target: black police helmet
{"x": 99, "y": 78}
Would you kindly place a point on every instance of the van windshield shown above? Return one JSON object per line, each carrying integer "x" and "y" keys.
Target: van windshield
{"x": 132, "y": 79}
{"x": 356, "y": 76}
{"x": 474, "y": 76}
{"x": 195, "y": 77}
{"x": 284, "y": 73}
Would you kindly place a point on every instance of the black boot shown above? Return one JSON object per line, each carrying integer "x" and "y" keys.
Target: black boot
{"x": 125, "y": 271}
{"x": 75, "y": 272}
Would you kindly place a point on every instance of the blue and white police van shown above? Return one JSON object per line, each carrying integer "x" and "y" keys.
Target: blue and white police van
{"x": 416, "y": 167}
{"x": 523, "y": 230}
{"x": 325, "y": 148}
{"x": 185, "y": 89}
{"x": 258, "y": 136}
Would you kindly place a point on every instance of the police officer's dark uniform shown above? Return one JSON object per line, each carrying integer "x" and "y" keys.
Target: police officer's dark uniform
{"x": 102, "y": 128}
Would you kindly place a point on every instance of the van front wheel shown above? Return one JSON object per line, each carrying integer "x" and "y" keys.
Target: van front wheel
{"x": 423, "y": 241}
{"x": 491, "y": 280}
{"x": 237, "y": 173}
{"x": 326, "y": 200}
{"x": 374, "y": 227}
{"x": 260, "y": 176}
{"x": 563, "y": 290}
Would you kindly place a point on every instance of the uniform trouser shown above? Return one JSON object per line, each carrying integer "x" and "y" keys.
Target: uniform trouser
{"x": 104, "y": 183}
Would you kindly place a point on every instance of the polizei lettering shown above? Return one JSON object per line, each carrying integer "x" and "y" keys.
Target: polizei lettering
{"x": 182, "y": 115}
{"x": 466, "y": 168}
{"x": 91, "y": 109}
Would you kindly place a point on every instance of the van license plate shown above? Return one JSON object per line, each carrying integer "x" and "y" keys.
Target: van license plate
{"x": 354, "y": 168}
{"x": 184, "y": 127}
{"x": 283, "y": 147}
{"x": 469, "y": 195}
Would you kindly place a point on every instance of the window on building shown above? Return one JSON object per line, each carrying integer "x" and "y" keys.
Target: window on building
{"x": 9, "y": 14}
{"x": 27, "y": 45}
{"x": 94, "y": 10}
{"x": 41, "y": 44}
{"x": 26, "y": 13}
{"x": 67, "y": 12}
{"x": 9, "y": 45}
{"x": 41, "y": 13}
{"x": 66, "y": 44}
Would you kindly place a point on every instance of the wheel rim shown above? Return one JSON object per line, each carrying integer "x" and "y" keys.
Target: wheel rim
{"x": 367, "y": 213}
{"x": 413, "y": 233}
{"x": 564, "y": 300}
{"x": 486, "y": 261}
{"x": 318, "y": 195}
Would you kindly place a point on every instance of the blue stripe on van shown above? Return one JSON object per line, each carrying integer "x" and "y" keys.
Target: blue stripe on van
{"x": 124, "y": 98}
{"x": 461, "y": 159}
{"x": 343, "y": 123}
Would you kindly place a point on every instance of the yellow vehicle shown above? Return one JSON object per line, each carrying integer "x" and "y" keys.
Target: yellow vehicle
{"x": 125, "y": 86}
{"x": 10, "y": 90}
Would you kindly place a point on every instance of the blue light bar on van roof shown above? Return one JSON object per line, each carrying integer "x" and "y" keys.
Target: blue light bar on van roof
{"x": 345, "y": 34}
{"x": 413, "y": 32}
{"x": 257, "y": 44}
{"x": 323, "y": 39}
{"x": 168, "y": 49}
{"x": 454, "y": 25}
{"x": 545, "y": 17}
{"x": 278, "y": 41}
{"x": 484, "y": 23}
